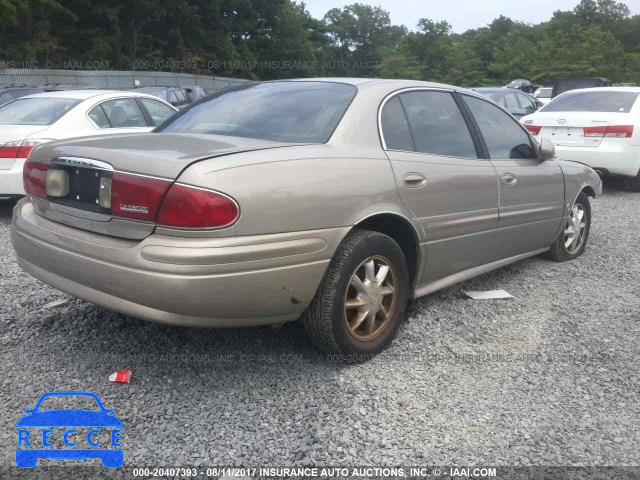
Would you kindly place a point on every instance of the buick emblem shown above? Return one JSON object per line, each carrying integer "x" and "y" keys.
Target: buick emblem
{"x": 562, "y": 121}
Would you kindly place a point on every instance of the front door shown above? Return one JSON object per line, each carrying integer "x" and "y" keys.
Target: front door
{"x": 439, "y": 176}
{"x": 531, "y": 190}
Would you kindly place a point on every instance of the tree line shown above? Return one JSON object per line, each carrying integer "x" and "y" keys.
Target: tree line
{"x": 271, "y": 39}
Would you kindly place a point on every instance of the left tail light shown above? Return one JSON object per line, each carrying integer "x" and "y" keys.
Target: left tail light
{"x": 20, "y": 148}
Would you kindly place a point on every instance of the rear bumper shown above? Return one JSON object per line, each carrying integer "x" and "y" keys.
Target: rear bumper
{"x": 11, "y": 180}
{"x": 610, "y": 157}
{"x": 212, "y": 282}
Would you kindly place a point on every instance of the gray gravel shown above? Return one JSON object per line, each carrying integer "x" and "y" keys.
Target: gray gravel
{"x": 548, "y": 378}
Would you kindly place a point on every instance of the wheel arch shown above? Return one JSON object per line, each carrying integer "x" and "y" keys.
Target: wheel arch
{"x": 401, "y": 230}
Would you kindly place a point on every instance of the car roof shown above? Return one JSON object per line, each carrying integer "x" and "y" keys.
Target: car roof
{"x": 605, "y": 89}
{"x": 87, "y": 94}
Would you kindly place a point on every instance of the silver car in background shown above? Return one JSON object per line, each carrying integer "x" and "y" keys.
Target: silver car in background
{"x": 333, "y": 201}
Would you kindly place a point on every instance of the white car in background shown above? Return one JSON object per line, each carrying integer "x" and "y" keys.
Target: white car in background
{"x": 28, "y": 121}
{"x": 599, "y": 127}
{"x": 543, "y": 94}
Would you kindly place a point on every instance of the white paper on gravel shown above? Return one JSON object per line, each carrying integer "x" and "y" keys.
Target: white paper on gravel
{"x": 489, "y": 295}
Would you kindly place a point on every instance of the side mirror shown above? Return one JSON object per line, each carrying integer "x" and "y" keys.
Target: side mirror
{"x": 547, "y": 150}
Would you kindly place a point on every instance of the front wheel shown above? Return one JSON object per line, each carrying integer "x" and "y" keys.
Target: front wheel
{"x": 362, "y": 298}
{"x": 572, "y": 242}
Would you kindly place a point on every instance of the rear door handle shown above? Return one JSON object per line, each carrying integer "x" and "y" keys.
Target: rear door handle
{"x": 509, "y": 179}
{"x": 415, "y": 180}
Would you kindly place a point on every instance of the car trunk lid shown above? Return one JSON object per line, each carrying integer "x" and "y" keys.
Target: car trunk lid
{"x": 148, "y": 164}
{"x": 576, "y": 129}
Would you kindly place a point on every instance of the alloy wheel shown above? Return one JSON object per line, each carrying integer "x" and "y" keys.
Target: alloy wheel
{"x": 370, "y": 300}
{"x": 574, "y": 232}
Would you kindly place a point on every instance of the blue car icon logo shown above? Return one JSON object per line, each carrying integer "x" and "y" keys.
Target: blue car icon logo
{"x": 101, "y": 425}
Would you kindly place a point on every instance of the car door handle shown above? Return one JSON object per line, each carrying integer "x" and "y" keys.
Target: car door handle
{"x": 509, "y": 179}
{"x": 415, "y": 180}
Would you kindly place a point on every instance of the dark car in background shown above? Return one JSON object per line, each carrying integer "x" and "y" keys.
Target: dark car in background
{"x": 176, "y": 96}
{"x": 196, "y": 92}
{"x": 561, "y": 85}
{"x": 11, "y": 92}
{"x": 516, "y": 102}
{"x": 522, "y": 84}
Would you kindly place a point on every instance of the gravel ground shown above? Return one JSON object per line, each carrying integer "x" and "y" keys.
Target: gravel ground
{"x": 548, "y": 378}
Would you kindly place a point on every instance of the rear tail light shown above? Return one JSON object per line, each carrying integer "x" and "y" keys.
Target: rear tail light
{"x": 534, "y": 129}
{"x": 190, "y": 207}
{"x": 142, "y": 198}
{"x": 612, "y": 131}
{"x": 20, "y": 148}
{"x": 135, "y": 196}
{"x": 34, "y": 176}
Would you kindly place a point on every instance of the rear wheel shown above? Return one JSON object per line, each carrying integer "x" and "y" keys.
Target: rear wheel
{"x": 634, "y": 183}
{"x": 572, "y": 242}
{"x": 362, "y": 298}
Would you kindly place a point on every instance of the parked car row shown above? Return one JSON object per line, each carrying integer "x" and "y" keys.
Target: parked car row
{"x": 599, "y": 127}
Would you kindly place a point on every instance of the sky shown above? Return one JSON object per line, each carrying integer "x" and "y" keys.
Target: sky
{"x": 461, "y": 14}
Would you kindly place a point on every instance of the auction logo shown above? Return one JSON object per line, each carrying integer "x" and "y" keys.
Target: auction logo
{"x": 96, "y": 429}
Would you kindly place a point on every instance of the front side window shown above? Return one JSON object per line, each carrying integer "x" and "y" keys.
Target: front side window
{"x": 35, "y": 111}
{"x": 395, "y": 127}
{"x": 503, "y": 135}
{"x": 437, "y": 126}
{"x": 301, "y": 112}
{"x": 124, "y": 113}
{"x": 526, "y": 103}
{"x": 159, "y": 111}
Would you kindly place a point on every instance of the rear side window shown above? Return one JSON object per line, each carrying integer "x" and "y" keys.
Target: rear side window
{"x": 395, "y": 127}
{"x": 437, "y": 126}
{"x": 526, "y": 103}
{"x": 124, "y": 113}
{"x": 502, "y": 134}
{"x": 35, "y": 111}
{"x": 99, "y": 117}
{"x": 510, "y": 101}
{"x": 619, "y": 102}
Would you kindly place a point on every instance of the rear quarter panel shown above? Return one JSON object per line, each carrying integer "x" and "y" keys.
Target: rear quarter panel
{"x": 300, "y": 188}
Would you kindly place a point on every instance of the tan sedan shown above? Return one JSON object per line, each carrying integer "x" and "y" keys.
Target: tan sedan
{"x": 332, "y": 201}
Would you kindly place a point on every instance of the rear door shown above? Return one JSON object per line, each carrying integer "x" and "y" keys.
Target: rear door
{"x": 531, "y": 190}
{"x": 453, "y": 194}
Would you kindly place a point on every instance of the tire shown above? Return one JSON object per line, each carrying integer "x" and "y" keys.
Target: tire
{"x": 560, "y": 251}
{"x": 333, "y": 325}
{"x": 634, "y": 183}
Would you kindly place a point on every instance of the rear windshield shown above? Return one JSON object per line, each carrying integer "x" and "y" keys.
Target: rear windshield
{"x": 300, "y": 112}
{"x": 620, "y": 102}
{"x": 35, "y": 111}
